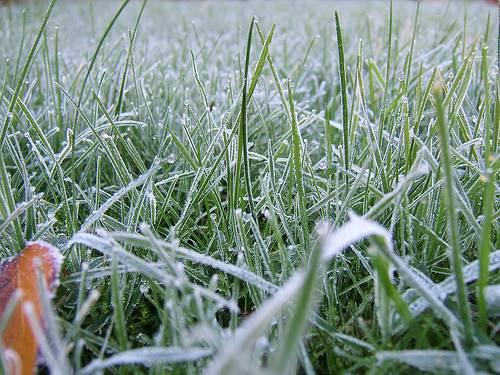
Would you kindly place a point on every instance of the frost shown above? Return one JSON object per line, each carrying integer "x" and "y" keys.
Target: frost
{"x": 492, "y": 295}
{"x": 144, "y": 288}
{"x": 247, "y": 217}
{"x": 170, "y": 159}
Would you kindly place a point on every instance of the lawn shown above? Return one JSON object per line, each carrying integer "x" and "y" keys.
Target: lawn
{"x": 257, "y": 187}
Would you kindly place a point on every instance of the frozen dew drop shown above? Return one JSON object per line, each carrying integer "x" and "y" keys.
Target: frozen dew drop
{"x": 404, "y": 99}
{"x": 51, "y": 213}
{"x": 170, "y": 159}
{"x": 322, "y": 165}
{"x": 144, "y": 288}
{"x": 141, "y": 337}
{"x": 247, "y": 217}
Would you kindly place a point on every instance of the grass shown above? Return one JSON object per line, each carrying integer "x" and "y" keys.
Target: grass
{"x": 310, "y": 191}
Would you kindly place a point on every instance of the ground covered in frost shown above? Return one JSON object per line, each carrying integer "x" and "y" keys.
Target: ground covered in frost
{"x": 237, "y": 195}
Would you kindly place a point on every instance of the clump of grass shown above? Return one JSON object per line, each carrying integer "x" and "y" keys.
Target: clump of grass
{"x": 242, "y": 198}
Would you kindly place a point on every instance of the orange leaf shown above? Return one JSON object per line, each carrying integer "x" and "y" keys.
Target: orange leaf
{"x": 20, "y": 273}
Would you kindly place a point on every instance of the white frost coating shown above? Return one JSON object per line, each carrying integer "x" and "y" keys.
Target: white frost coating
{"x": 107, "y": 246}
{"x": 424, "y": 360}
{"x": 53, "y": 253}
{"x": 252, "y": 329}
{"x": 118, "y": 195}
{"x": 58, "y": 259}
{"x": 51, "y": 355}
{"x": 148, "y": 356}
{"x": 5, "y": 262}
{"x": 355, "y": 230}
{"x": 181, "y": 252}
{"x": 18, "y": 210}
{"x": 448, "y": 286}
{"x": 359, "y": 228}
